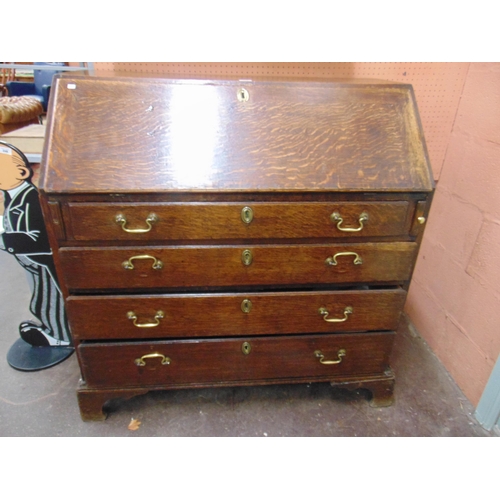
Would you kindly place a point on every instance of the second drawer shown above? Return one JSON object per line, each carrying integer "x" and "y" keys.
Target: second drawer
{"x": 211, "y": 266}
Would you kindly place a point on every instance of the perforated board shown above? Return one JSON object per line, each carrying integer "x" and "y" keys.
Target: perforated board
{"x": 438, "y": 86}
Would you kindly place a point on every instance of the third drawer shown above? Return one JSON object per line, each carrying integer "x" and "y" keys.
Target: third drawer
{"x": 213, "y": 315}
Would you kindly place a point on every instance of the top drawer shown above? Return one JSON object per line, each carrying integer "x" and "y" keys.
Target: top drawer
{"x": 253, "y": 220}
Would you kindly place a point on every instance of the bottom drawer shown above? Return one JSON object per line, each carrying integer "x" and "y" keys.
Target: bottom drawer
{"x": 190, "y": 362}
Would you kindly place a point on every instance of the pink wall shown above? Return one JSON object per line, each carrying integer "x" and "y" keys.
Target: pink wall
{"x": 454, "y": 299}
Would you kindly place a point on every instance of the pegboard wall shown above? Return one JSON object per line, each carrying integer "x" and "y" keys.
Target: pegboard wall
{"x": 438, "y": 86}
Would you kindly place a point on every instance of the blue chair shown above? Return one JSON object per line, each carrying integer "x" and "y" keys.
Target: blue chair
{"x": 40, "y": 88}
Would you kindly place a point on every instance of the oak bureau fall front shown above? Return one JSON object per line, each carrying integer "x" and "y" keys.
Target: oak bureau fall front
{"x": 218, "y": 232}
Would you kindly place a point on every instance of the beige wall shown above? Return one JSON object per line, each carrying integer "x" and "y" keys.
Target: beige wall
{"x": 454, "y": 299}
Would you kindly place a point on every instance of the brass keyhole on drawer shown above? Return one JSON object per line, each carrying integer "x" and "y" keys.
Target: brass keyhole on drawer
{"x": 246, "y": 215}
{"x": 243, "y": 95}
{"x": 246, "y": 348}
{"x": 246, "y": 306}
{"x": 246, "y": 257}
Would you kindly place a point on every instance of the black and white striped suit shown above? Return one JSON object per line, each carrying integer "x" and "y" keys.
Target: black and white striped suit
{"x": 26, "y": 238}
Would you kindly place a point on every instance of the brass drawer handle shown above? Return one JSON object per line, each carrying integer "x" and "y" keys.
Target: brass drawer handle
{"x": 324, "y": 312}
{"x": 340, "y": 355}
{"x": 332, "y": 261}
{"x": 151, "y": 219}
{"x": 164, "y": 360}
{"x": 335, "y": 217}
{"x": 157, "y": 264}
{"x": 133, "y": 317}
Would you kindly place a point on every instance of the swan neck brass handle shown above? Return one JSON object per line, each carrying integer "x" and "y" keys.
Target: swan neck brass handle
{"x": 150, "y": 220}
{"x": 332, "y": 261}
{"x": 324, "y": 312}
{"x": 141, "y": 361}
{"x": 157, "y": 264}
{"x": 335, "y": 217}
{"x": 340, "y": 354}
{"x": 133, "y": 317}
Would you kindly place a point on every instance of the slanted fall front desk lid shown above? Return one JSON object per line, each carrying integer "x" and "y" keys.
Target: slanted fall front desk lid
{"x": 127, "y": 135}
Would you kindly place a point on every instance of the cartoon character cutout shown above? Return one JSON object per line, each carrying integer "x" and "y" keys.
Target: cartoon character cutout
{"x": 23, "y": 234}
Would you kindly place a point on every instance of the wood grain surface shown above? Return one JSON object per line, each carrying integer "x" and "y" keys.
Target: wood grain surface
{"x": 207, "y": 266}
{"x": 219, "y": 221}
{"x": 159, "y": 135}
{"x": 216, "y": 315}
{"x": 196, "y": 361}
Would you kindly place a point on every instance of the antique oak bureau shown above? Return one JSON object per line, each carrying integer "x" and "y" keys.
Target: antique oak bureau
{"x": 233, "y": 232}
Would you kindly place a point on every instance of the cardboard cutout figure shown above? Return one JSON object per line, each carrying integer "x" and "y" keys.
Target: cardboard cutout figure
{"x": 23, "y": 234}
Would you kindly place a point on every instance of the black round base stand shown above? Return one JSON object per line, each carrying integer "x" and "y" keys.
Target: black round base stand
{"x": 27, "y": 358}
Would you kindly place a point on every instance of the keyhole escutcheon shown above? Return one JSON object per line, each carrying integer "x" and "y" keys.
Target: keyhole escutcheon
{"x": 243, "y": 95}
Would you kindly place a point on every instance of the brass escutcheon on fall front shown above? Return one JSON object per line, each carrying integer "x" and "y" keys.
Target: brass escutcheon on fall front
{"x": 243, "y": 95}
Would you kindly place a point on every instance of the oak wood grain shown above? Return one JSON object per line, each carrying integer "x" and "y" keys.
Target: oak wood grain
{"x": 191, "y": 361}
{"x": 192, "y": 153}
{"x": 222, "y": 266}
{"x": 216, "y": 315}
{"x": 218, "y": 221}
{"x": 140, "y": 135}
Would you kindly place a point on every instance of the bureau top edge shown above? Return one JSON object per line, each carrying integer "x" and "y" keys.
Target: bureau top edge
{"x": 239, "y": 193}
{"x": 229, "y": 79}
